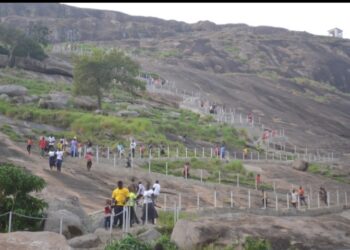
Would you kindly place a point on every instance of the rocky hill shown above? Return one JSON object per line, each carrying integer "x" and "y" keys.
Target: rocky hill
{"x": 285, "y": 77}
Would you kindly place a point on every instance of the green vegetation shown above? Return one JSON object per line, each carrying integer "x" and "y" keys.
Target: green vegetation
{"x": 131, "y": 242}
{"x": 94, "y": 73}
{"x": 151, "y": 127}
{"x": 256, "y": 244}
{"x": 8, "y": 130}
{"x": 16, "y": 186}
{"x": 13, "y": 43}
{"x": 326, "y": 171}
{"x": 212, "y": 167}
{"x": 35, "y": 87}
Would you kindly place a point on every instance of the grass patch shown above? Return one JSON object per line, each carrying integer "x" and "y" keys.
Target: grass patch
{"x": 8, "y": 130}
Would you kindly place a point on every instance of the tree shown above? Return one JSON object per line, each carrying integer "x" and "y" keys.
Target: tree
{"x": 16, "y": 43}
{"x": 16, "y": 184}
{"x": 39, "y": 33}
{"x": 95, "y": 73}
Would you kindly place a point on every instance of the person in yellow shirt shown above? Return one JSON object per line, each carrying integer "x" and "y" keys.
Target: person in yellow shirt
{"x": 119, "y": 198}
{"x": 245, "y": 152}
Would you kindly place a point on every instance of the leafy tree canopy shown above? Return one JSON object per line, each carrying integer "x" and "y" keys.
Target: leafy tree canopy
{"x": 16, "y": 184}
{"x": 95, "y": 73}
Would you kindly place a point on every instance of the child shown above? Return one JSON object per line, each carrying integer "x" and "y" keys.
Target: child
{"x": 88, "y": 158}
{"x": 108, "y": 214}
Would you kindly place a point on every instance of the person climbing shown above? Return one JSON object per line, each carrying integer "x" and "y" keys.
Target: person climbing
{"x": 258, "y": 181}
{"x": 128, "y": 161}
{"x": 133, "y": 147}
{"x": 59, "y": 159}
{"x": 119, "y": 198}
{"x": 142, "y": 150}
{"x": 42, "y": 146}
{"x": 52, "y": 157}
{"x": 131, "y": 205}
{"x": 301, "y": 196}
{"x": 323, "y": 195}
{"x": 294, "y": 198}
{"x": 108, "y": 214}
{"x": 29, "y": 144}
{"x": 88, "y": 157}
{"x": 222, "y": 151}
{"x": 51, "y": 141}
{"x": 156, "y": 189}
{"x": 186, "y": 170}
{"x": 264, "y": 198}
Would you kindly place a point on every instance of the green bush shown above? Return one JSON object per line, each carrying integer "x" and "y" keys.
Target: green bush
{"x": 235, "y": 166}
{"x": 16, "y": 187}
{"x": 256, "y": 244}
{"x": 128, "y": 243}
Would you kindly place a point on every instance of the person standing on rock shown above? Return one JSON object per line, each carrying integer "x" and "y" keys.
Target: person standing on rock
{"x": 148, "y": 205}
{"x": 222, "y": 151}
{"x": 29, "y": 144}
{"x": 156, "y": 191}
{"x": 323, "y": 195}
{"x": 119, "y": 198}
{"x": 74, "y": 147}
{"x": 264, "y": 198}
{"x": 59, "y": 157}
{"x": 302, "y": 196}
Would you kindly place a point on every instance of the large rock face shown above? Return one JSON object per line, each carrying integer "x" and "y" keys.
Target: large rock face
{"x": 286, "y": 232}
{"x": 300, "y": 165}
{"x": 75, "y": 221}
{"x": 33, "y": 241}
{"x": 85, "y": 241}
{"x": 85, "y": 102}
{"x": 13, "y": 90}
{"x": 189, "y": 235}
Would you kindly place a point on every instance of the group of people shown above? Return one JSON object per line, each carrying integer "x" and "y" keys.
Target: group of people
{"x": 57, "y": 150}
{"x": 296, "y": 195}
{"x": 130, "y": 197}
{"x": 220, "y": 151}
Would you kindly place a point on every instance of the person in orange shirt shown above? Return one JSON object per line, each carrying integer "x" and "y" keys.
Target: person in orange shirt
{"x": 29, "y": 144}
{"x": 301, "y": 196}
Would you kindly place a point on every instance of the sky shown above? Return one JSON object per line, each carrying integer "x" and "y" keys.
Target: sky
{"x": 315, "y": 18}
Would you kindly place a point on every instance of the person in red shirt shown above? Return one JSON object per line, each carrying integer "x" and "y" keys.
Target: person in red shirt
{"x": 42, "y": 146}
{"x": 258, "y": 181}
{"x": 29, "y": 144}
{"x": 108, "y": 213}
{"x": 302, "y": 196}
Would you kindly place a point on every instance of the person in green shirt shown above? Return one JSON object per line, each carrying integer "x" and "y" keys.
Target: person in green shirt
{"x": 131, "y": 203}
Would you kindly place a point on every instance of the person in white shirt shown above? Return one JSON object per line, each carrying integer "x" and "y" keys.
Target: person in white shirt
{"x": 52, "y": 141}
{"x": 59, "y": 155}
{"x": 148, "y": 205}
{"x": 133, "y": 148}
{"x": 156, "y": 189}
{"x": 294, "y": 198}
